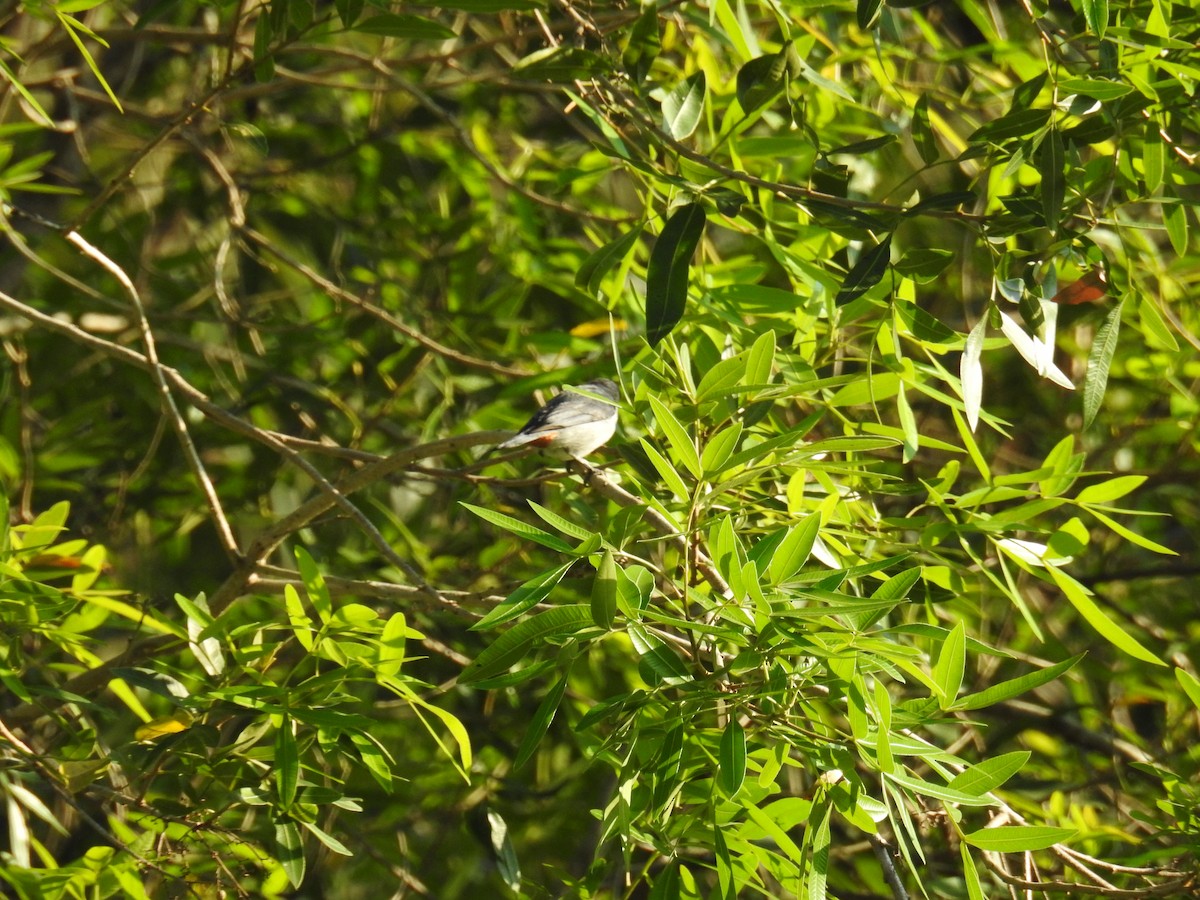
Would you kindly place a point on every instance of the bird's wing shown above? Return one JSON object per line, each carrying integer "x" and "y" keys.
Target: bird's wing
{"x": 559, "y": 414}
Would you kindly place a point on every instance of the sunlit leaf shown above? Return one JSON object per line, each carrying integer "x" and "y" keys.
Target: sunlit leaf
{"x": 512, "y": 645}
{"x": 1018, "y": 838}
{"x": 683, "y": 107}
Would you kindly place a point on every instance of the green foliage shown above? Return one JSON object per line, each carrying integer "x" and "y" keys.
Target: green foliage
{"x": 863, "y": 567}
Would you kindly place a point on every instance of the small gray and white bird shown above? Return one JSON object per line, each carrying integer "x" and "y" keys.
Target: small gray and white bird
{"x": 572, "y": 423}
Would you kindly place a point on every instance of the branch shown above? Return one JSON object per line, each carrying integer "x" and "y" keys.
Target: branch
{"x": 224, "y": 531}
{"x": 660, "y": 523}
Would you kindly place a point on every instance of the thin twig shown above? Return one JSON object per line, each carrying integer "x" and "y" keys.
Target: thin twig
{"x": 883, "y": 853}
{"x": 224, "y": 530}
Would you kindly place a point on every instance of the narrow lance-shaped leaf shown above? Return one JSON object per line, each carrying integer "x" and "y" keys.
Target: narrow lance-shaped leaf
{"x": 1054, "y": 186}
{"x": 922, "y": 131}
{"x": 1018, "y": 838}
{"x": 604, "y": 592}
{"x": 733, "y": 757}
{"x": 867, "y": 272}
{"x": 512, "y": 645}
{"x": 761, "y": 79}
{"x": 683, "y": 107}
{"x": 951, "y": 665}
{"x": 1095, "y": 13}
{"x": 1098, "y": 619}
{"x": 1104, "y": 345}
{"x": 289, "y": 850}
{"x": 1014, "y": 687}
{"x": 971, "y": 372}
{"x": 1175, "y": 220}
{"x": 667, "y": 272}
{"x": 593, "y": 269}
{"x": 867, "y": 12}
{"x": 644, "y": 44}
{"x": 541, "y": 722}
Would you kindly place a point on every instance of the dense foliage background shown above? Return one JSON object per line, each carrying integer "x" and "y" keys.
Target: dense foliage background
{"x": 886, "y": 587}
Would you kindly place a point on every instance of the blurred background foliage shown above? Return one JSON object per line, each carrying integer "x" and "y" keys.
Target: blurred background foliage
{"x": 846, "y": 260}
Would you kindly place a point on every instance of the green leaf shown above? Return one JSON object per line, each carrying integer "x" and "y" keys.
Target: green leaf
{"x": 673, "y": 479}
{"x": 924, "y": 264}
{"x": 897, "y": 587}
{"x": 667, "y": 271}
{"x": 793, "y": 550}
{"x": 719, "y": 448}
{"x": 1154, "y": 157}
{"x": 1190, "y": 685}
{"x": 868, "y": 12}
{"x": 1113, "y": 489}
{"x": 951, "y": 665}
{"x": 348, "y": 11}
{"x": 732, "y": 770}
{"x": 290, "y": 851}
{"x": 644, "y": 44}
{"x": 936, "y": 791}
{"x": 683, "y": 107}
{"x": 1054, "y": 185}
{"x": 592, "y": 270}
{"x": 400, "y": 25}
{"x": 1130, "y": 535}
{"x": 524, "y": 598}
{"x": 970, "y": 874}
{"x": 1095, "y": 13}
{"x": 392, "y": 643}
{"x": 1175, "y": 220}
{"x": 867, "y": 146}
{"x": 659, "y": 664}
{"x": 541, "y": 722}
{"x": 1104, "y": 345}
{"x": 922, "y": 132}
{"x": 1154, "y": 326}
{"x": 1014, "y": 687}
{"x": 604, "y": 592}
{"x": 947, "y": 200}
{"x": 519, "y": 528}
{"x": 908, "y": 426}
{"x": 74, "y": 28}
{"x": 866, "y": 273}
{"x": 677, "y": 437}
{"x": 772, "y": 829}
{"x": 1018, "y": 838}
{"x": 666, "y": 884}
{"x": 328, "y": 839}
{"x": 988, "y": 775}
{"x": 1017, "y": 123}
{"x": 314, "y": 584}
{"x": 1118, "y": 636}
{"x": 761, "y": 80}
{"x": 511, "y": 646}
{"x": 760, "y": 359}
{"x": 566, "y": 526}
{"x": 818, "y": 876}
{"x": 297, "y": 617}
{"x": 1096, "y": 88}
{"x": 721, "y": 378}
{"x": 503, "y": 853}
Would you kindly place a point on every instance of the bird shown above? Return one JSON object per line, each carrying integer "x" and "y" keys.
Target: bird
{"x": 572, "y": 423}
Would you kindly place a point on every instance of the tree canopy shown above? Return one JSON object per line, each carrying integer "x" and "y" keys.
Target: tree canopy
{"x": 885, "y": 587}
